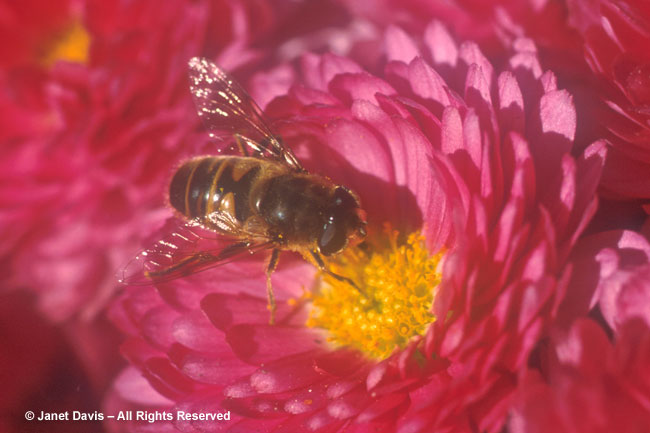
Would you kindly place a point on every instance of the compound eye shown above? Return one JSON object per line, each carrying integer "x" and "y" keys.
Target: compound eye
{"x": 333, "y": 238}
{"x": 344, "y": 198}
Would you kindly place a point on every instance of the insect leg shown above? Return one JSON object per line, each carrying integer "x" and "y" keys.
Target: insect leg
{"x": 232, "y": 249}
{"x": 321, "y": 265}
{"x": 269, "y": 288}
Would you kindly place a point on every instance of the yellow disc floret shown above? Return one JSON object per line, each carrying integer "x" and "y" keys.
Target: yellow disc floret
{"x": 71, "y": 45}
{"x": 397, "y": 284}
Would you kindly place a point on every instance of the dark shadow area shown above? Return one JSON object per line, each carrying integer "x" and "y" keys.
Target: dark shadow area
{"x": 41, "y": 373}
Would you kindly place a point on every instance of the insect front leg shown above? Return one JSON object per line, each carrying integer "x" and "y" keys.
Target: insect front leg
{"x": 321, "y": 265}
{"x": 273, "y": 263}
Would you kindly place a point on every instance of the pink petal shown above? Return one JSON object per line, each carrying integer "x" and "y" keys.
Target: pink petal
{"x": 511, "y": 218}
{"x": 554, "y": 138}
{"x": 376, "y": 374}
{"x": 346, "y": 137}
{"x": 194, "y": 330}
{"x": 220, "y": 370}
{"x": 166, "y": 378}
{"x": 585, "y": 347}
{"x": 133, "y": 387}
{"x": 348, "y": 405}
{"x": 441, "y": 209}
{"x": 471, "y": 54}
{"x": 396, "y": 74}
{"x": 318, "y": 71}
{"x": 511, "y": 104}
{"x": 477, "y": 85}
{"x": 535, "y": 263}
{"x": 308, "y": 96}
{"x": 340, "y": 362}
{"x": 549, "y": 82}
{"x": 626, "y": 296}
{"x": 412, "y": 155}
{"x": 226, "y": 310}
{"x": 333, "y": 65}
{"x": 563, "y": 202}
{"x": 258, "y": 344}
{"x": 526, "y": 61}
{"x": 452, "y": 131}
{"x": 533, "y": 299}
{"x": 558, "y": 114}
{"x": 588, "y": 172}
{"x": 524, "y": 45}
{"x": 441, "y": 45}
{"x": 136, "y": 350}
{"x": 157, "y": 326}
{"x": 285, "y": 374}
{"x": 473, "y": 137}
{"x": 359, "y": 86}
{"x": 307, "y": 400}
{"x": 381, "y": 406}
{"x": 426, "y": 82}
{"x": 343, "y": 386}
{"x": 266, "y": 86}
{"x": 399, "y": 46}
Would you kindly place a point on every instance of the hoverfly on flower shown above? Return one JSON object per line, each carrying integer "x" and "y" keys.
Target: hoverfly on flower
{"x": 261, "y": 199}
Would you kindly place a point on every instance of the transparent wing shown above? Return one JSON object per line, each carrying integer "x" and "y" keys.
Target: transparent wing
{"x": 228, "y": 111}
{"x": 186, "y": 250}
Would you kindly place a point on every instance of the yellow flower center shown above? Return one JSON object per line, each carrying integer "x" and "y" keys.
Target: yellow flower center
{"x": 71, "y": 45}
{"x": 398, "y": 284}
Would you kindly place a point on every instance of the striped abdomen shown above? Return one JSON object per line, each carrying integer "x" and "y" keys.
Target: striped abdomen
{"x": 207, "y": 184}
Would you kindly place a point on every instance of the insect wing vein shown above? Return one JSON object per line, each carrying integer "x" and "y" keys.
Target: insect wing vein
{"x": 228, "y": 111}
{"x": 188, "y": 249}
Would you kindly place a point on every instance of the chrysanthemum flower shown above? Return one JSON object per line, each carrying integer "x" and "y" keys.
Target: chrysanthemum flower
{"x": 475, "y": 203}
{"x": 109, "y": 91}
{"x": 615, "y": 36}
{"x": 588, "y": 384}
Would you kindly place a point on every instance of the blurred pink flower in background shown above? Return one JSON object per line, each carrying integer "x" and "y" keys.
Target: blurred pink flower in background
{"x": 615, "y": 37}
{"x": 480, "y": 163}
{"x": 79, "y": 123}
{"x": 114, "y": 112}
